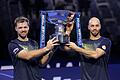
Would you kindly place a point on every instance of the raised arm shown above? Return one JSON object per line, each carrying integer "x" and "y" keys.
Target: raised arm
{"x": 24, "y": 54}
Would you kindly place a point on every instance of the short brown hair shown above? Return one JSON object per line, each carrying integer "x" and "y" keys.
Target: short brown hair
{"x": 21, "y": 19}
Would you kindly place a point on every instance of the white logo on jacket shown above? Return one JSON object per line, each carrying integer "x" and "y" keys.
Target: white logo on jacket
{"x": 15, "y": 50}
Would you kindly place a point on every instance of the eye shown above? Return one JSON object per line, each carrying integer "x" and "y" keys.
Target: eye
{"x": 97, "y": 25}
{"x": 92, "y": 25}
{"x": 25, "y": 27}
{"x": 19, "y": 27}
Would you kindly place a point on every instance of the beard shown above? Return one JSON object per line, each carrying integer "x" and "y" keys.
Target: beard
{"x": 23, "y": 36}
{"x": 95, "y": 33}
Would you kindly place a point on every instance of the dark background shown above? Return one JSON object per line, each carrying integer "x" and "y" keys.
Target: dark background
{"x": 106, "y": 10}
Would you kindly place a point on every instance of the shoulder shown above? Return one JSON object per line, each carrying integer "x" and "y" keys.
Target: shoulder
{"x": 106, "y": 42}
{"x": 12, "y": 42}
{"x": 14, "y": 47}
{"x": 104, "y": 39}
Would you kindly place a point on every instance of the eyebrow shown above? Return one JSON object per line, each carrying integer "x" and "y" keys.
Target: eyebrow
{"x": 94, "y": 25}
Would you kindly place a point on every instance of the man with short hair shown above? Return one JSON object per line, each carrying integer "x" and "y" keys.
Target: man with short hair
{"x": 26, "y": 56}
{"x": 94, "y": 53}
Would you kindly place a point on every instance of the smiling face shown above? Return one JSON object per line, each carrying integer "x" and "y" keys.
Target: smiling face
{"x": 94, "y": 26}
{"x": 22, "y": 29}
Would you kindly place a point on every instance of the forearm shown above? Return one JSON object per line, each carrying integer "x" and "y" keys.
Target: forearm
{"x": 38, "y": 52}
{"x": 87, "y": 53}
{"x": 33, "y": 53}
{"x": 46, "y": 58}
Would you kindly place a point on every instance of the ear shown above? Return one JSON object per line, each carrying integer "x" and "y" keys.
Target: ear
{"x": 100, "y": 26}
{"x": 88, "y": 27}
{"x": 15, "y": 28}
{"x": 28, "y": 28}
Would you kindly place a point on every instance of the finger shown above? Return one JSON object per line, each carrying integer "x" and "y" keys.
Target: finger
{"x": 56, "y": 44}
{"x": 55, "y": 41}
{"x": 54, "y": 38}
{"x": 67, "y": 44}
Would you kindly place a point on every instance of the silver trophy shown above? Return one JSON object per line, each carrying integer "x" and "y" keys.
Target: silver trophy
{"x": 60, "y": 33}
{"x": 60, "y": 18}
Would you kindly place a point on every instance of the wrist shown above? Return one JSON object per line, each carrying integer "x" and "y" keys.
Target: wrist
{"x": 46, "y": 49}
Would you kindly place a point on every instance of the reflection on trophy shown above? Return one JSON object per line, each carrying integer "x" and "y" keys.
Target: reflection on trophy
{"x": 60, "y": 34}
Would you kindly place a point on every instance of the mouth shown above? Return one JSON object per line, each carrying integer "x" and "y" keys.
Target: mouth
{"x": 23, "y": 35}
{"x": 94, "y": 31}
{"x": 24, "y": 32}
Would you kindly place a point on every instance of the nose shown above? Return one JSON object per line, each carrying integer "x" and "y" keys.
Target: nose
{"x": 94, "y": 27}
{"x": 23, "y": 29}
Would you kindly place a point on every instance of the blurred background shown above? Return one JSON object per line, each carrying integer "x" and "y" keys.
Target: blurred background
{"x": 108, "y": 11}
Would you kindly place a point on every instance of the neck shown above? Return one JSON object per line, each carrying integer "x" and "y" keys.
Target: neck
{"x": 22, "y": 39}
{"x": 94, "y": 37}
